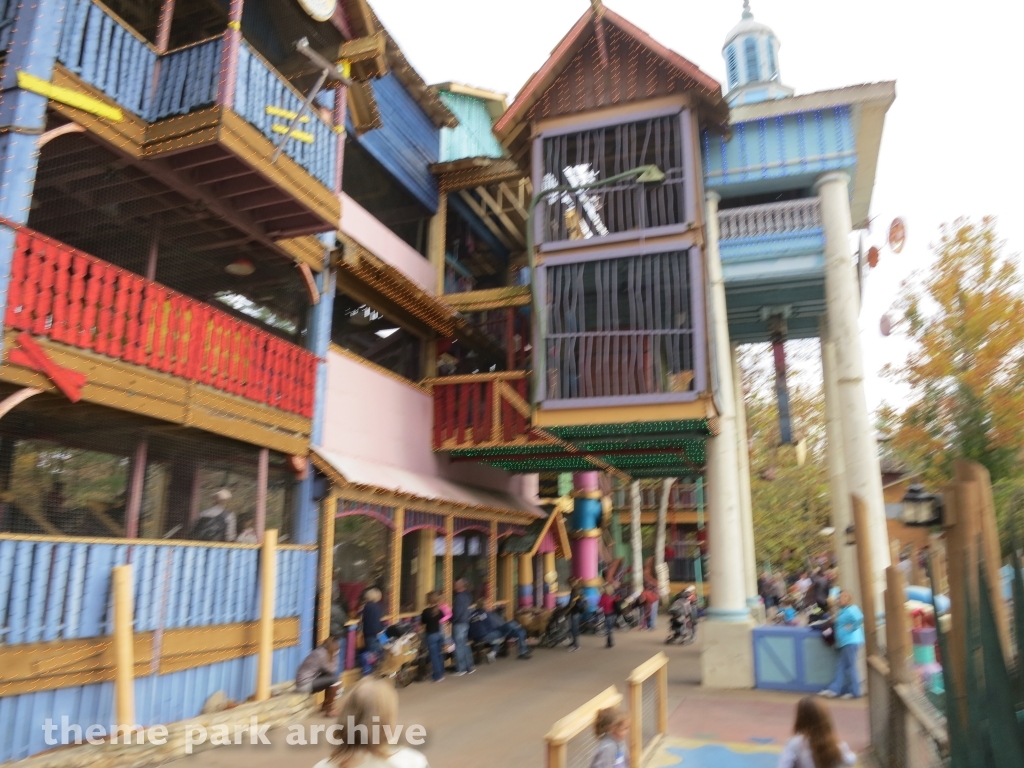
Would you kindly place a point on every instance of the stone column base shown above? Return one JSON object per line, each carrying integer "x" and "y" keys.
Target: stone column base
{"x": 727, "y": 655}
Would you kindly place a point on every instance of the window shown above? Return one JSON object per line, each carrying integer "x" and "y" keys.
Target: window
{"x": 753, "y": 64}
{"x": 368, "y": 333}
{"x": 620, "y": 327}
{"x": 732, "y": 66}
{"x": 773, "y": 64}
{"x": 575, "y": 159}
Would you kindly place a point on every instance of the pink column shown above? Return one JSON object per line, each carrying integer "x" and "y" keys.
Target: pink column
{"x": 229, "y": 55}
{"x": 135, "y": 486}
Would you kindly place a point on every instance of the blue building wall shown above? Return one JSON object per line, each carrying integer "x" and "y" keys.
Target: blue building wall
{"x": 407, "y": 144}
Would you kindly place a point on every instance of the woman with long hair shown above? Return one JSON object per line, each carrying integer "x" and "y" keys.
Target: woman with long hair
{"x": 814, "y": 743}
{"x": 368, "y": 714}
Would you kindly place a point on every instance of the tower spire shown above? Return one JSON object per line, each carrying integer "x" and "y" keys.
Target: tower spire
{"x": 746, "y": 10}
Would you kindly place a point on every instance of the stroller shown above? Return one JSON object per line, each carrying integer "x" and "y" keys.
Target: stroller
{"x": 558, "y": 629}
{"x": 682, "y": 614}
{"x": 400, "y": 659}
{"x": 630, "y": 612}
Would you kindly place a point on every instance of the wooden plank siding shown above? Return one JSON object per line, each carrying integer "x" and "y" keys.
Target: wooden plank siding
{"x": 196, "y": 608}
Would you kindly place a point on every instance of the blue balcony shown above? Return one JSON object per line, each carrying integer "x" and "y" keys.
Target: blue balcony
{"x": 156, "y": 91}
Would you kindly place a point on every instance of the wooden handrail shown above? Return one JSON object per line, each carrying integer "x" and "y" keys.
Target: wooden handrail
{"x": 648, "y": 669}
{"x": 582, "y": 717}
{"x": 475, "y": 378}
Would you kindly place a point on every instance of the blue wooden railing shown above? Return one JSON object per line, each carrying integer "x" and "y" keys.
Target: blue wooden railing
{"x": 111, "y": 57}
{"x": 258, "y": 88}
{"x": 107, "y": 55}
{"x": 188, "y": 79}
{"x": 61, "y": 590}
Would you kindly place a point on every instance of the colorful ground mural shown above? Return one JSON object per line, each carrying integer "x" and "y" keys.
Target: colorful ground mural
{"x": 695, "y": 753}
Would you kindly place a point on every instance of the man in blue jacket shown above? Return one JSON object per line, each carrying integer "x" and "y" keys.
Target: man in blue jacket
{"x": 849, "y": 629}
{"x": 462, "y": 603}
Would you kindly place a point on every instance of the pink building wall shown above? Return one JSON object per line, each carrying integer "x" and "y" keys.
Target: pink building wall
{"x": 376, "y": 418}
{"x": 361, "y": 226}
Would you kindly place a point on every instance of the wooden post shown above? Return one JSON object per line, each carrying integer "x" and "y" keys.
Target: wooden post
{"x": 958, "y": 535}
{"x": 135, "y": 487}
{"x": 229, "y": 56}
{"x": 436, "y": 237}
{"x": 636, "y": 715}
{"x": 395, "y": 593}
{"x": 268, "y": 588}
{"x": 328, "y": 513}
{"x": 195, "y": 500}
{"x": 506, "y": 564}
{"x": 449, "y": 536}
{"x": 988, "y": 530}
{"x": 867, "y": 588}
{"x": 262, "y": 471}
{"x": 425, "y": 567}
{"x": 896, "y": 632}
{"x": 525, "y": 577}
{"x": 124, "y": 648}
{"x": 492, "y": 565}
{"x": 154, "y": 252}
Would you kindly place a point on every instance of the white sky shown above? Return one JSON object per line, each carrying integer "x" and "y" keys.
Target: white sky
{"x": 950, "y": 145}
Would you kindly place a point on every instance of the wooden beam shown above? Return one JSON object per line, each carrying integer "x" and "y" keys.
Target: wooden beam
{"x": 454, "y": 178}
{"x": 481, "y": 212}
{"x": 503, "y": 217}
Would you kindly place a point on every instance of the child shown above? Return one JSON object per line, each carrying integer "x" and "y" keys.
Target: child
{"x": 814, "y": 743}
{"x": 611, "y": 727}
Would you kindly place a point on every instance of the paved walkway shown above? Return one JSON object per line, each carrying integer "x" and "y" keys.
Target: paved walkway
{"x": 498, "y": 716}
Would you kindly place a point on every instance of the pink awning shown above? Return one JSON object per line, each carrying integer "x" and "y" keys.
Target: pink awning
{"x": 374, "y": 475}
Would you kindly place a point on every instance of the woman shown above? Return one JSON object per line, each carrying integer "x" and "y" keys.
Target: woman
{"x": 432, "y": 619}
{"x": 371, "y": 707}
{"x": 814, "y": 743}
{"x": 373, "y": 625}
{"x": 319, "y": 672}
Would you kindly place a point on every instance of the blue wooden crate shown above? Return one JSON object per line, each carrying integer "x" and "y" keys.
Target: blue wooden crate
{"x": 792, "y": 659}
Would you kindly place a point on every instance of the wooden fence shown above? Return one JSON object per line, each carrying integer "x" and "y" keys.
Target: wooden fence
{"x": 195, "y": 628}
{"x": 70, "y": 297}
{"x": 571, "y": 740}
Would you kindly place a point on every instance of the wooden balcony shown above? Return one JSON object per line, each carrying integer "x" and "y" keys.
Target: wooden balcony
{"x": 481, "y": 410}
{"x": 170, "y": 109}
{"x": 143, "y": 347}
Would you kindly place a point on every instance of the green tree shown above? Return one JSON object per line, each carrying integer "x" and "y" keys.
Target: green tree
{"x": 790, "y": 499}
{"x": 966, "y": 367}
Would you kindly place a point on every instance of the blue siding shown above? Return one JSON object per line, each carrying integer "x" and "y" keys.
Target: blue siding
{"x": 61, "y": 591}
{"x": 407, "y": 144}
{"x": 794, "y": 148}
{"x": 474, "y": 136}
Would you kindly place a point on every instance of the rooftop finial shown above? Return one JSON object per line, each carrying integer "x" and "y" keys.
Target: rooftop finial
{"x": 746, "y": 10}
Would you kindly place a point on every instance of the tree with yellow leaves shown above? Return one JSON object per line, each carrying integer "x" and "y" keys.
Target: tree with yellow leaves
{"x": 965, "y": 318}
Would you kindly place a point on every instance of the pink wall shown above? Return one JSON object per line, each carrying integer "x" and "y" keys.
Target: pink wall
{"x": 373, "y": 417}
{"x": 363, "y": 227}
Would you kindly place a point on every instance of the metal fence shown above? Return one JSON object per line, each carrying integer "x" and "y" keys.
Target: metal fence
{"x": 906, "y": 731}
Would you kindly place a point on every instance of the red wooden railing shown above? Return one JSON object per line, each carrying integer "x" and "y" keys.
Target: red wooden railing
{"x": 73, "y": 298}
{"x": 483, "y": 408}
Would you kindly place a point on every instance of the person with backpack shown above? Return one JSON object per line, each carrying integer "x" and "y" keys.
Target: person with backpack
{"x": 216, "y": 523}
{"x": 577, "y": 607}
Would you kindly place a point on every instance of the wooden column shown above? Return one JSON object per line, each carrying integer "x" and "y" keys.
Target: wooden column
{"x": 525, "y": 579}
{"x": 196, "y": 498}
{"x": 492, "y": 565}
{"x": 425, "y": 565}
{"x": 864, "y": 544}
{"x": 328, "y": 512}
{"x": 663, "y": 699}
{"x": 136, "y": 484}
{"x": 154, "y": 253}
{"x": 436, "y": 241}
{"x": 262, "y": 471}
{"x": 395, "y": 594}
{"x": 449, "y": 535}
{"x": 507, "y": 565}
{"x": 229, "y": 55}
{"x": 124, "y": 648}
{"x": 338, "y": 118}
{"x": 268, "y": 588}
{"x": 636, "y": 713}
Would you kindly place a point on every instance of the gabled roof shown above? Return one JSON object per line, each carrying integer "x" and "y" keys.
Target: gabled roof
{"x": 604, "y": 31}
{"x": 530, "y": 540}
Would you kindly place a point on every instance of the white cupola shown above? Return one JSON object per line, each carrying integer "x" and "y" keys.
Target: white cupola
{"x": 751, "y": 54}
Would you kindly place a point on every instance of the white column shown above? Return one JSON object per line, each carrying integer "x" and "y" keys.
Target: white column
{"x": 860, "y": 447}
{"x": 743, "y": 475}
{"x": 727, "y": 655}
{"x": 842, "y": 516}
